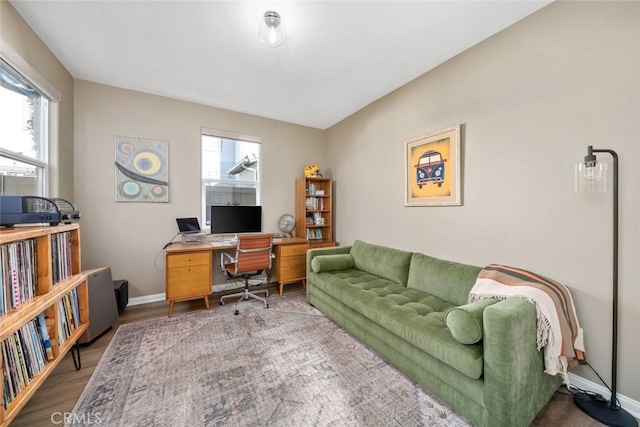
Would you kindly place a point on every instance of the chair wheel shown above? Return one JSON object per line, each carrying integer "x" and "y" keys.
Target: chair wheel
{"x": 266, "y": 306}
{"x": 236, "y": 312}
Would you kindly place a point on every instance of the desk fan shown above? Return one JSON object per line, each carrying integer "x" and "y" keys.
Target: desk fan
{"x": 286, "y": 224}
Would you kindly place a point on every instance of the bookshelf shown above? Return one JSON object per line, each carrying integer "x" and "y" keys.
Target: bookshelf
{"x": 314, "y": 211}
{"x": 43, "y": 308}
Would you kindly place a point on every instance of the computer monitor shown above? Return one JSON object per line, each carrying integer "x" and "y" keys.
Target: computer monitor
{"x": 230, "y": 219}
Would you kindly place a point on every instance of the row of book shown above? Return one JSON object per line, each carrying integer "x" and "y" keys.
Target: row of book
{"x": 18, "y": 274}
{"x": 314, "y": 233}
{"x": 68, "y": 315}
{"x": 314, "y": 218}
{"x": 312, "y": 189}
{"x": 61, "y": 256}
{"x": 24, "y": 354}
{"x": 314, "y": 203}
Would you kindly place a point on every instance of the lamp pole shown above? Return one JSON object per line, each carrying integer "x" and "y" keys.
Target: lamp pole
{"x": 609, "y": 413}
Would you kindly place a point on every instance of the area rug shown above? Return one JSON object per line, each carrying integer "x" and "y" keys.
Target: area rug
{"x": 287, "y": 365}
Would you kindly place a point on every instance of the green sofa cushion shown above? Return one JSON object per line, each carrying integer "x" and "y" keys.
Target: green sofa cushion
{"x": 413, "y": 315}
{"x": 445, "y": 279}
{"x": 388, "y": 263}
{"x": 465, "y": 322}
{"x": 335, "y": 262}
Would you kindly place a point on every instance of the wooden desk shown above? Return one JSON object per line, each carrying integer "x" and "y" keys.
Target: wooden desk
{"x": 189, "y": 268}
{"x": 290, "y": 265}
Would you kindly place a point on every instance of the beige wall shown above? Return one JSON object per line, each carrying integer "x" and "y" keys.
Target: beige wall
{"x": 129, "y": 236}
{"x": 18, "y": 36}
{"x": 530, "y": 100}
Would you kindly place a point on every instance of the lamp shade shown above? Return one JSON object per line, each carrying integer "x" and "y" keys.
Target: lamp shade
{"x": 590, "y": 177}
{"x": 271, "y": 31}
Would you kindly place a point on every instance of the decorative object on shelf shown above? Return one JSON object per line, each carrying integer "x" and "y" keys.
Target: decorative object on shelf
{"x": 432, "y": 169}
{"x": 271, "y": 32}
{"x": 68, "y": 212}
{"x": 311, "y": 171}
{"x": 591, "y": 177}
{"x": 28, "y": 210}
{"x": 142, "y": 170}
{"x": 286, "y": 224}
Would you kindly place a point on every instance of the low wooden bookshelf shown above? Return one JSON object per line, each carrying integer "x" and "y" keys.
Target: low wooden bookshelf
{"x": 52, "y": 302}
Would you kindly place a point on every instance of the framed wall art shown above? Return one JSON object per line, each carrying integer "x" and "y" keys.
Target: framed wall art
{"x": 142, "y": 170}
{"x": 432, "y": 169}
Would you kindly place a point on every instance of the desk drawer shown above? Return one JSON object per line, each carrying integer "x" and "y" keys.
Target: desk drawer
{"x": 292, "y": 250}
{"x": 185, "y": 282}
{"x": 188, "y": 259}
{"x": 294, "y": 269}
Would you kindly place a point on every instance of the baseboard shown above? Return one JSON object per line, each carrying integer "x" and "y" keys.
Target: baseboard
{"x": 162, "y": 297}
{"x": 146, "y": 299}
{"x": 627, "y": 403}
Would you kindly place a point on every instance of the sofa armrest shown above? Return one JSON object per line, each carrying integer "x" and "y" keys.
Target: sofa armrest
{"x": 312, "y": 253}
{"x": 516, "y": 387}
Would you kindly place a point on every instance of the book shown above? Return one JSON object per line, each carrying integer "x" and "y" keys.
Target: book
{"x": 21, "y": 367}
{"x": 18, "y": 274}
{"x": 36, "y": 344}
{"x": 61, "y": 256}
{"x": 74, "y": 306}
{"x": 69, "y": 313}
{"x": 9, "y": 393}
{"x": 44, "y": 334}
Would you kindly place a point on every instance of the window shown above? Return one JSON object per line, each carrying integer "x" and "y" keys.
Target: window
{"x": 230, "y": 170}
{"x": 24, "y": 114}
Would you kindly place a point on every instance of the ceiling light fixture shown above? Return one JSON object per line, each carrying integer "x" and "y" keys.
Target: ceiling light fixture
{"x": 271, "y": 30}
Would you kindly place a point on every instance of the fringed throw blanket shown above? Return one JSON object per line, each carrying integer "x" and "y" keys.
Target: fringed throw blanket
{"x": 558, "y": 329}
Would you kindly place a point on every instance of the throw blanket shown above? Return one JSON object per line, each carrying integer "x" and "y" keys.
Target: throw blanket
{"x": 558, "y": 329}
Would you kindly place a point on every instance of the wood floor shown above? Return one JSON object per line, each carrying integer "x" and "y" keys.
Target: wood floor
{"x": 60, "y": 391}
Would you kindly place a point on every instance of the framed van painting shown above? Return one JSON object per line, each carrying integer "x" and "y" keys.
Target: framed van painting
{"x": 432, "y": 169}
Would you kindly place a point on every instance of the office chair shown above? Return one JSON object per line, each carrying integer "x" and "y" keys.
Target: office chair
{"x": 253, "y": 257}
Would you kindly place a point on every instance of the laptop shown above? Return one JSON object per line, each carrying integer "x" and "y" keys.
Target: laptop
{"x": 188, "y": 225}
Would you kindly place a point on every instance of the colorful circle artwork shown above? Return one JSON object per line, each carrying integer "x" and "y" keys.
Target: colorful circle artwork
{"x": 125, "y": 147}
{"x": 147, "y": 163}
{"x": 142, "y": 170}
{"x": 159, "y": 191}
{"x": 130, "y": 189}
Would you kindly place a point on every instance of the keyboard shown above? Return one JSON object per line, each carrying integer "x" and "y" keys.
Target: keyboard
{"x": 224, "y": 243}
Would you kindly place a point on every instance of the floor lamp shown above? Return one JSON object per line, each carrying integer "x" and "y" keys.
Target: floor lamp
{"x": 591, "y": 177}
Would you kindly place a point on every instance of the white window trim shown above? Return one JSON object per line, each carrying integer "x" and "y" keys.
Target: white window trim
{"x": 230, "y": 135}
{"x": 47, "y": 90}
{"x": 22, "y": 158}
{"x": 219, "y": 133}
{"x": 16, "y": 62}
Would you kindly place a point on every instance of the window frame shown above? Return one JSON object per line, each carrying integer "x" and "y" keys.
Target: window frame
{"x": 48, "y": 93}
{"x": 219, "y": 133}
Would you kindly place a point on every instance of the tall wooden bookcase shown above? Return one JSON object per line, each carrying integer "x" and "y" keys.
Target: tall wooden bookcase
{"x": 54, "y": 258}
{"x": 314, "y": 211}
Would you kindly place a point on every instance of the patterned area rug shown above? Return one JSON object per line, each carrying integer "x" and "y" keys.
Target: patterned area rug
{"x": 287, "y": 365}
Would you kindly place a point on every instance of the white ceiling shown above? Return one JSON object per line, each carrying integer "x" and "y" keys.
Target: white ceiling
{"x": 339, "y": 55}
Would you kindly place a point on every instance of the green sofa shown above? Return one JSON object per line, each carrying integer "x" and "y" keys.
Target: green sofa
{"x": 412, "y": 309}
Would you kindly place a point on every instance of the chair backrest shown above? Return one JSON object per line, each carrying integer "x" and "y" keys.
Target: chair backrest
{"x": 253, "y": 252}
